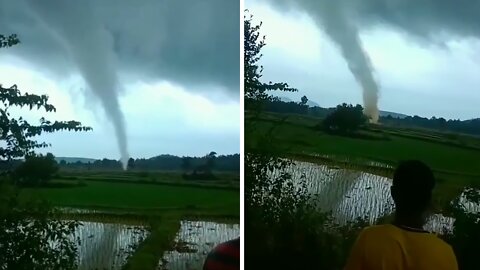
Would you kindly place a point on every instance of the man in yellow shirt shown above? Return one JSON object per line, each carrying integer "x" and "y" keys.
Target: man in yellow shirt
{"x": 404, "y": 244}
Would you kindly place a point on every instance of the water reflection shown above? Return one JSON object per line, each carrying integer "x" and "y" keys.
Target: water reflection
{"x": 193, "y": 242}
{"x": 106, "y": 246}
{"x": 350, "y": 194}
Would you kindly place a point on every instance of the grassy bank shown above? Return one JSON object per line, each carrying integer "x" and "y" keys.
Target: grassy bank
{"x": 303, "y": 138}
{"x": 455, "y": 166}
{"x": 150, "y": 251}
{"x": 222, "y": 180}
{"x": 139, "y": 196}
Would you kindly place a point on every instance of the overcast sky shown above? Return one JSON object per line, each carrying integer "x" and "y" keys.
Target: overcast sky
{"x": 429, "y": 69}
{"x": 164, "y": 72}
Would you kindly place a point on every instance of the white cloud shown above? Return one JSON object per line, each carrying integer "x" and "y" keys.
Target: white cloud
{"x": 167, "y": 104}
{"x": 293, "y": 34}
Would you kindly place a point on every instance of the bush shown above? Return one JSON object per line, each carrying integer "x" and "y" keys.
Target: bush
{"x": 345, "y": 119}
{"x": 27, "y": 232}
{"x": 283, "y": 222}
{"x": 466, "y": 232}
{"x": 36, "y": 170}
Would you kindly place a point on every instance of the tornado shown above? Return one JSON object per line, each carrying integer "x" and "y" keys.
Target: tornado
{"x": 333, "y": 20}
{"x": 90, "y": 47}
{"x": 332, "y": 16}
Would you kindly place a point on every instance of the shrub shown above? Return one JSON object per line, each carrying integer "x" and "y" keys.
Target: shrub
{"x": 36, "y": 170}
{"x": 345, "y": 119}
{"x": 466, "y": 231}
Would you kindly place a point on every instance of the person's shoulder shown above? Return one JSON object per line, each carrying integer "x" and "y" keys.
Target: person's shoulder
{"x": 443, "y": 250}
{"x": 374, "y": 229}
{"x": 440, "y": 243}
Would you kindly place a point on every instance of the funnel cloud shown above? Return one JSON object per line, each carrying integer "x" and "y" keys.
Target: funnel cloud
{"x": 332, "y": 18}
{"x": 91, "y": 51}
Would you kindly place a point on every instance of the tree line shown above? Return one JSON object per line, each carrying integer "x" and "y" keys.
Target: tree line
{"x": 471, "y": 127}
{"x": 227, "y": 163}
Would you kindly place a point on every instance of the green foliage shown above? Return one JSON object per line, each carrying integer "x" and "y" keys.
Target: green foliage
{"x": 18, "y": 133}
{"x": 304, "y": 101}
{"x": 27, "y": 242}
{"x": 345, "y": 119}
{"x": 36, "y": 170}
{"x": 225, "y": 163}
{"x": 210, "y": 161}
{"x": 186, "y": 164}
{"x": 131, "y": 164}
{"x": 466, "y": 232}
{"x": 8, "y": 41}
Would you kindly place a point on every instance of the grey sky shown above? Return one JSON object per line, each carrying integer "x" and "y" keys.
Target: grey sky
{"x": 171, "y": 66}
{"x": 425, "y": 53}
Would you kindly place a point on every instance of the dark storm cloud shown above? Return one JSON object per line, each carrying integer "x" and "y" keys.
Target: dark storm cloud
{"x": 432, "y": 20}
{"x": 184, "y": 41}
{"x": 436, "y": 20}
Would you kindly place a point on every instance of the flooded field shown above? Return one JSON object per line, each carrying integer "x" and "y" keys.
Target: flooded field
{"x": 350, "y": 194}
{"x": 106, "y": 246}
{"x": 193, "y": 242}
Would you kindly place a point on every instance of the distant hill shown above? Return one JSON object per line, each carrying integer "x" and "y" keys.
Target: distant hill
{"x": 230, "y": 163}
{"x": 473, "y": 120}
{"x": 312, "y": 104}
{"x": 285, "y": 99}
{"x": 75, "y": 159}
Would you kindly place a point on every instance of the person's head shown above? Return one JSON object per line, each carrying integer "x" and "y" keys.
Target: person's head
{"x": 413, "y": 182}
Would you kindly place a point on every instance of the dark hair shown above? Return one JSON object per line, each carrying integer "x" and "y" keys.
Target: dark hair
{"x": 413, "y": 182}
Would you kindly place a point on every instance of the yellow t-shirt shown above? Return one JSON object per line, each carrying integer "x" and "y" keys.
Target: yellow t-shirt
{"x": 388, "y": 247}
